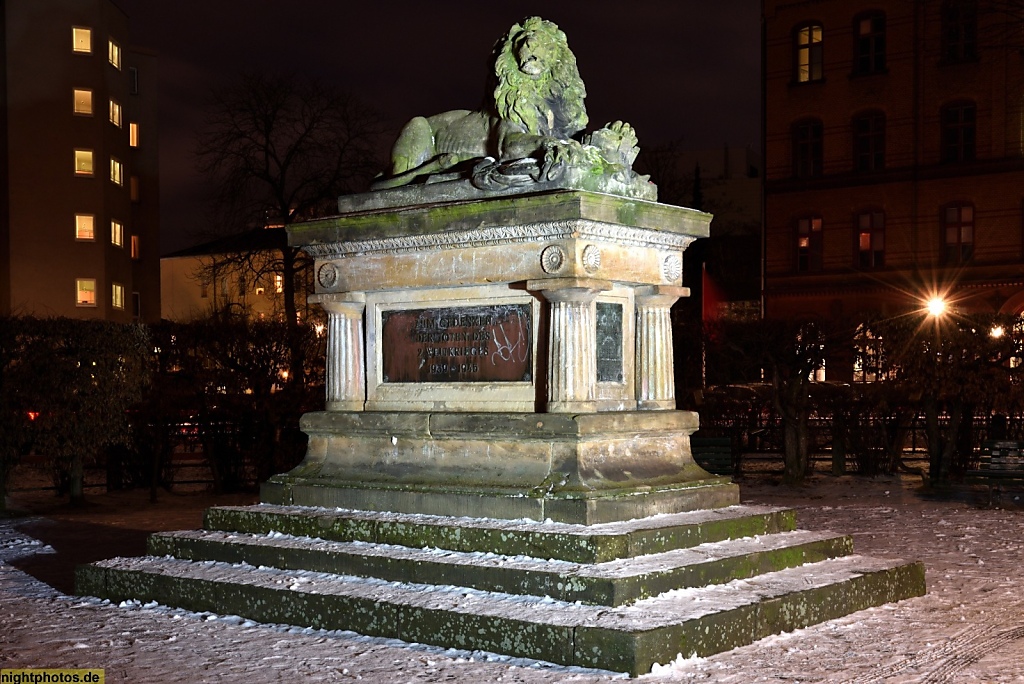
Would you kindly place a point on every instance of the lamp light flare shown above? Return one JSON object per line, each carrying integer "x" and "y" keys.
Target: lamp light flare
{"x": 997, "y": 332}
{"x": 936, "y": 306}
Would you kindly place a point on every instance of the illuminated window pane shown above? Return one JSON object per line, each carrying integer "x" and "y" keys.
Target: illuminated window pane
{"x": 83, "y": 101}
{"x": 116, "y": 172}
{"x": 83, "y": 162}
{"x": 114, "y": 54}
{"x": 809, "y": 62}
{"x": 115, "y": 113}
{"x": 117, "y": 233}
{"x": 133, "y": 134}
{"x": 86, "y": 289}
{"x": 278, "y": 284}
{"x": 871, "y": 240}
{"x": 136, "y": 248}
{"x": 85, "y": 227}
{"x": 81, "y": 40}
{"x": 117, "y": 296}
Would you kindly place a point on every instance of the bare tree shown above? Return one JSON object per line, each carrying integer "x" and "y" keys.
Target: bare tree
{"x": 276, "y": 149}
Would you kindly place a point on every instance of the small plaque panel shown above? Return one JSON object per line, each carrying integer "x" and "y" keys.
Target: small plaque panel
{"x": 609, "y": 342}
{"x": 458, "y": 344}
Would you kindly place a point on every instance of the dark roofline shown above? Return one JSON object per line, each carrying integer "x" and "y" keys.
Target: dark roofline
{"x": 257, "y": 240}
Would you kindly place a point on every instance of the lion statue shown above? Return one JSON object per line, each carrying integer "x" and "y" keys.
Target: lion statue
{"x": 535, "y": 113}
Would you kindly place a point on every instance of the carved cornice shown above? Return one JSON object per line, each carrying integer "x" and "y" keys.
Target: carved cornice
{"x": 504, "y": 235}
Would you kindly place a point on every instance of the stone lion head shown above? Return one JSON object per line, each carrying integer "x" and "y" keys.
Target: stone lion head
{"x": 538, "y": 86}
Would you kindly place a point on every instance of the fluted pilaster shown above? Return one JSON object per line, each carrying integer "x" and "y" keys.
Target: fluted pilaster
{"x": 346, "y": 357}
{"x": 572, "y": 344}
{"x": 655, "y": 372}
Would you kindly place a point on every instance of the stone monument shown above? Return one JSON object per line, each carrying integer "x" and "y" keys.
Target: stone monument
{"x": 500, "y": 388}
{"x": 500, "y": 343}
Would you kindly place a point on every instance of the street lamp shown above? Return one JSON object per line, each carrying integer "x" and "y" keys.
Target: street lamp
{"x": 936, "y": 307}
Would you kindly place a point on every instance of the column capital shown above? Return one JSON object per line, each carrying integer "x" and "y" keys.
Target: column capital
{"x": 342, "y": 303}
{"x": 659, "y": 295}
{"x": 569, "y": 289}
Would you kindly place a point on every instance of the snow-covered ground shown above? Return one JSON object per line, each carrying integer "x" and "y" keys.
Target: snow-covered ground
{"x": 969, "y": 628}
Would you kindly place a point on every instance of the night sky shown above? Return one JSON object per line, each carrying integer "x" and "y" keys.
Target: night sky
{"x": 684, "y": 70}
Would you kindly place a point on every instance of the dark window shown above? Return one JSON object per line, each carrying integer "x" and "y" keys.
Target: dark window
{"x": 808, "y": 52}
{"x": 959, "y": 30}
{"x": 869, "y": 44}
{"x": 809, "y": 244}
{"x": 958, "y": 132}
{"x": 958, "y": 229}
{"x": 871, "y": 239}
{"x": 133, "y": 80}
{"x": 869, "y": 141}
{"x": 807, "y": 149}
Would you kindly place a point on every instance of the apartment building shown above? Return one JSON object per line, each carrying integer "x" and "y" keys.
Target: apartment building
{"x": 79, "y": 199}
{"x": 894, "y": 157}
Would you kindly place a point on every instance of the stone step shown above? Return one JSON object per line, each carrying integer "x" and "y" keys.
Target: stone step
{"x": 612, "y": 583}
{"x": 700, "y": 621}
{"x": 558, "y": 541}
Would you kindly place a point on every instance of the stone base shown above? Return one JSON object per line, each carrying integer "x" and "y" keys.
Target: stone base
{"x": 588, "y": 468}
{"x": 604, "y": 596}
{"x": 585, "y": 508}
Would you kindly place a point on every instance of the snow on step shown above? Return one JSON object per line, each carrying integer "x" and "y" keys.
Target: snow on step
{"x": 624, "y": 568}
{"x": 523, "y": 525}
{"x": 671, "y": 608}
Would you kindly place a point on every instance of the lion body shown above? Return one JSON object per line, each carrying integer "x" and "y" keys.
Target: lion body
{"x": 537, "y": 100}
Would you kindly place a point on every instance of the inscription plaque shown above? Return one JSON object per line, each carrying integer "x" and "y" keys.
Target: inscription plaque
{"x": 458, "y": 344}
{"x": 609, "y": 342}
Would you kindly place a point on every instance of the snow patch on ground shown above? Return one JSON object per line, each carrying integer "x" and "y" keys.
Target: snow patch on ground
{"x": 969, "y": 628}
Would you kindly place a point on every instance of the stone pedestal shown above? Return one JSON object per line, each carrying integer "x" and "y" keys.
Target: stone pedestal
{"x": 516, "y": 360}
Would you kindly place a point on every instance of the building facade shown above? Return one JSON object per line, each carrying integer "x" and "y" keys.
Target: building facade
{"x": 79, "y": 200}
{"x": 239, "y": 274}
{"x": 894, "y": 157}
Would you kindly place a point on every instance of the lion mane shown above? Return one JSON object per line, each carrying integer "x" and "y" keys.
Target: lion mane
{"x": 550, "y": 106}
{"x": 536, "y": 101}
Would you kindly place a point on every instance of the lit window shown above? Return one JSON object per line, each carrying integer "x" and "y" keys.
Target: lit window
{"x": 869, "y": 361}
{"x": 260, "y": 289}
{"x": 117, "y": 296}
{"x": 117, "y": 233}
{"x": 133, "y": 188}
{"x": 809, "y": 243}
{"x": 133, "y": 134}
{"x": 85, "y": 227}
{"x": 869, "y": 44}
{"x": 136, "y": 248}
{"x": 114, "y": 54}
{"x": 278, "y": 284}
{"x": 115, "y": 113}
{"x": 871, "y": 239}
{"x": 809, "y": 62}
{"x": 86, "y": 288}
{"x": 116, "y": 172}
{"x": 83, "y": 162}
{"x": 81, "y": 40}
{"x": 83, "y": 101}
{"x": 958, "y": 225}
